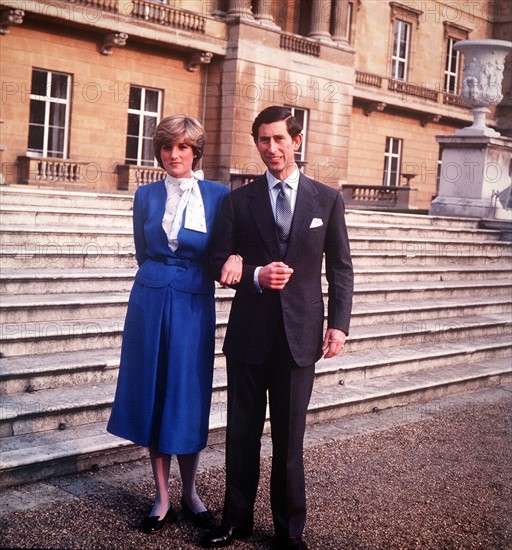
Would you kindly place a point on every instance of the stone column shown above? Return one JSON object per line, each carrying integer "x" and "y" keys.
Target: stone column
{"x": 264, "y": 13}
{"x": 240, "y": 9}
{"x": 340, "y": 18}
{"x": 321, "y": 20}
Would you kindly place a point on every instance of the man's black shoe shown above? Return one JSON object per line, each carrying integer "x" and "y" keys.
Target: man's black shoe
{"x": 224, "y": 536}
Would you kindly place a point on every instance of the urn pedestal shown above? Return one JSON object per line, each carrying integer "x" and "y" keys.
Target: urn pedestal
{"x": 475, "y": 178}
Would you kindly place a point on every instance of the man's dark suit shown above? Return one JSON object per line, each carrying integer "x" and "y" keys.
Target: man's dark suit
{"x": 272, "y": 333}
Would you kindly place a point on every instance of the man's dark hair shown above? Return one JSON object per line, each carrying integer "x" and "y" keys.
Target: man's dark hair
{"x": 275, "y": 113}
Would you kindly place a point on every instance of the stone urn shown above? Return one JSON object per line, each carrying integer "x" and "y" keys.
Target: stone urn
{"x": 484, "y": 61}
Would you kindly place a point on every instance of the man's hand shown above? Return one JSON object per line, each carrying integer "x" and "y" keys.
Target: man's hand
{"x": 274, "y": 276}
{"x": 231, "y": 272}
{"x": 334, "y": 342}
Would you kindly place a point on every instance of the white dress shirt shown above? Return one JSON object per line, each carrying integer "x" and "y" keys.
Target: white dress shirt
{"x": 290, "y": 189}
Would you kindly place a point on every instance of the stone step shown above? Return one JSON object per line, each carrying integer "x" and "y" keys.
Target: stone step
{"x": 98, "y": 239}
{"x": 25, "y": 196}
{"x": 66, "y": 257}
{"x": 37, "y": 216}
{"x": 19, "y": 308}
{"x": 410, "y": 273}
{"x": 42, "y": 308}
{"x": 30, "y": 456}
{"x": 428, "y": 232}
{"x": 33, "y": 373}
{"x": 29, "y": 338}
{"x": 30, "y": 373}
{"x": 41, "y": 216}
{"x": 430, "y": 258}
{"x": 62, "y": 408}
{"x": 69, "y": 239}
{"x": 382, "y": 217}
{"x": 419, "y": 247}
{"x": 94, "y": 255}
{"x": 55, "y": 281}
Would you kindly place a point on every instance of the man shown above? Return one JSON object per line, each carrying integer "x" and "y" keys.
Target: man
{"x": 275, "y": 330}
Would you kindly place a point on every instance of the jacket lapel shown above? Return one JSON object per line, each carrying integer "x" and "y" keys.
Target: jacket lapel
{"x": 302, "y": 216}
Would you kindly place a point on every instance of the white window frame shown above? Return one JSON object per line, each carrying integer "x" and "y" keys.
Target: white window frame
{"x": 300, "y": 155}
{"x": 47, "y": 99}
{"x": 451, "y": 77}
{"x": 397, "y": 61}
{"x": 389, "y": 156}
{"x": 141, "y": 113}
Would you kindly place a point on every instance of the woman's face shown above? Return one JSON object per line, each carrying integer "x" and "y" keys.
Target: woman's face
{"x": 177, "y": 159}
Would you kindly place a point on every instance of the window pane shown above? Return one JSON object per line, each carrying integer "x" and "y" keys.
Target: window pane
{"x": 131, "y": 150}
{"x": 147, "y": 152}
{"x": 152, "y": 101}
{"x": 133, "y": 125}
{"x": 299, "y": 115}
{"x": 57, "y": 114}
{"x": 135, "y": 97}
{"x": 59, "y": 86}
{"x": 35, "y": 138}
{"x": 404, "y": 38}
{"x": 39, "y": 82}
{"x": 37, "y": 109}
{"x": 149, "y": 126}
{"x": 56, "y": 142}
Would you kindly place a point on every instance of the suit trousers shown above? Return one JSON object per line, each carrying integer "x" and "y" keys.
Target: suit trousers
{"x": 289, "y": 390}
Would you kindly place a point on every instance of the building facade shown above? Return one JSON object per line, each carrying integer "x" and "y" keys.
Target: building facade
{"x": 85, "y": 82}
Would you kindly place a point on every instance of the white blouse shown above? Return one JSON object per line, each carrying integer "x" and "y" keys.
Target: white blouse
{"x": 183, "y": 194}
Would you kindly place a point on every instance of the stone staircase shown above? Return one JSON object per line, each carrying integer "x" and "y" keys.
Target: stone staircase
{"x": 432, "y": 316}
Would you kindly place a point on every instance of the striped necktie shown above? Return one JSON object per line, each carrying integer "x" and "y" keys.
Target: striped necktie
{"x": 283, "y": 217}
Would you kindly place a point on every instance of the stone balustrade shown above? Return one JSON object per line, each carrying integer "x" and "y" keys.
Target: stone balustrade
{"x": 422, "y": 92}
{"x": 379, "y": 196}
{"x": 130, "y": 176}
{"x": 294, "y": 43}
{"x": 59, "y": 172}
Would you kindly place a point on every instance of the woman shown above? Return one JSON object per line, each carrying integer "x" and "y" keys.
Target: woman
{"x": 164, "y": 389}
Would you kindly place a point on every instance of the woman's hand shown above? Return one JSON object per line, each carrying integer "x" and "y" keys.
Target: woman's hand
{"x": 231, "y": 272}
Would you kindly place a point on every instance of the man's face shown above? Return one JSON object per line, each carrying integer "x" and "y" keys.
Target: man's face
{"x": 276, "y": 148}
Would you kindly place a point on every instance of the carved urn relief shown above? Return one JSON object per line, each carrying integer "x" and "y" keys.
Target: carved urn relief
{"x": 484, "y": 62}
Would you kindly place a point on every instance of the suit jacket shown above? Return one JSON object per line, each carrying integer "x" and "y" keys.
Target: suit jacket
{"x": 186, "y": 269}
{"x": 246, "y": 225}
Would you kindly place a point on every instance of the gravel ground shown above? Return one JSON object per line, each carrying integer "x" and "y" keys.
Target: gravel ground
{"x": 432, "y": 476}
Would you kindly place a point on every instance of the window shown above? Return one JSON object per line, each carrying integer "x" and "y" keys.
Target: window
{"x": 452, "y": 64}
{"x": 405, "y": 19}
{"x": 452, "y": 67}
{"x": 302, "y": 116}
{"x": 392, "y": 161}
{"x": 48, "y": 128}
{"x": 143, "y": 117}
{"x": 401, "y": 45}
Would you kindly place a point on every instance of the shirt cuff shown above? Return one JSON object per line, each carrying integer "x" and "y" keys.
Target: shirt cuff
{"x": 255, "y": 279}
